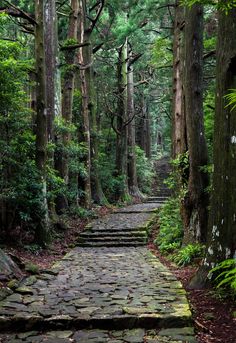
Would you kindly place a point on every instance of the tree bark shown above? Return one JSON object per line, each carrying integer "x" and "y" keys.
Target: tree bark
{"x": 179, "y": 136}
{"x": 196, "y": 199}
{"x": 51, "y": 42}
{"x": 131, "y": 167}
{"x": 221, "y": 242}
{"x": 83, "y": 57}
{"x": 42, "y": 227}
{"x": 122, "y": 128}
{"x": 62, "y": 163}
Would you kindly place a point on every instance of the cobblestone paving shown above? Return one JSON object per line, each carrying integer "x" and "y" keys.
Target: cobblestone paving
{"x": 100, "y": 288}
{"x": 100, "y": 336}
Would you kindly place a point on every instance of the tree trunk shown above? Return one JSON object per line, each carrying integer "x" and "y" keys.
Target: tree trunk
{"x": 221, "y": 243}
{"x": 62, "y": 163}
{"x": 143, "y": 131}
{"x": 121, "y": 138}
{"x": 196, "y": 200}
{"x": 42, "y": 228}
{"x": 84, "y": 60}
{"x": 179, "y": 138}
{"x": 52, "y": 82}
{"x": 96, "y": 188}
{"x": 131, "y": 170}
{"x": 50, "y": 33}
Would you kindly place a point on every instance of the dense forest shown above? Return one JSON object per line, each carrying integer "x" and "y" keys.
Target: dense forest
{"x": 93, "y": 93}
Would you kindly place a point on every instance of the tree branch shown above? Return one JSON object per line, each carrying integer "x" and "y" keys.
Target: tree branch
{"x": 75, "y": 46}
{"x": 17, "y": 12}
{"x": 97, "y": 48}
{"x": 101, "y": 4}
{"x": 209, "y": 54}
{"x": 141, "y": 82}
{"x": 134, "y": 58}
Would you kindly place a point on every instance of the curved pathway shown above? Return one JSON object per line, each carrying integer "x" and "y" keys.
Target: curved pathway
{"x": 109, "y": 289}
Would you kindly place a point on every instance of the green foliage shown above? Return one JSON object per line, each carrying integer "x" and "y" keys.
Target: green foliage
{"x": 209, "y": 111}
{"x": 32, "y": 268}
{"x": 210, "y": 43}
{"x": 171, "y": 228}
{"x": 161, "y": 54}
{"x": 224, "y": 275}
{"x": 187, "y": 254}
{"x": 145, "y": 172}
{"x": 224, "y": 5}
{"x": 231, "y": 99}
{"x": 178, "y": 178}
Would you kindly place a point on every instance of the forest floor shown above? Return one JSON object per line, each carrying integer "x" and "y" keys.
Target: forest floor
{"x": 213, "y": 317}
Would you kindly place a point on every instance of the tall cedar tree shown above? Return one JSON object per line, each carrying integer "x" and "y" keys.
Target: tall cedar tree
{"x": 196, "y": 199}
{"x": 221, "y": 243}
{"x": 43, "y": 227}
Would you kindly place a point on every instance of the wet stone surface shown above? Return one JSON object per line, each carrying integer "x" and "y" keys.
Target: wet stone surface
{"x": 122, "y": 290}
{"x": 101, "y": 283}
{"x": 101, "y": 336}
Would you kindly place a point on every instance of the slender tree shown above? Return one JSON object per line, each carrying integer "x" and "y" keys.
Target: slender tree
{"x": 43, "y": 227}
{"x": 131, "y": 167}
{"x": 122, "y": 128}
{"x": 179, "y": 135}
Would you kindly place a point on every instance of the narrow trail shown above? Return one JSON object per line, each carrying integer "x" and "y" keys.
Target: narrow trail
{"x": 108, "y": 289}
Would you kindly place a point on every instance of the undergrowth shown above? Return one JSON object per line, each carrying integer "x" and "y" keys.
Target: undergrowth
{"x": 188, "y": 254}
{"x": 224, "y": 277}
{"x": 171, "y": 228}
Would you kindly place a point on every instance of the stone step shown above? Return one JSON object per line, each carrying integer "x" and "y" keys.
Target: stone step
{"x": 106, "y": 322}
{"x": 112, "y": 239}
{"x": 126, "y": 230}
{"x": 157, "y": 199}
{"x": 113, "y": 243}
{"x": 185, "y": 334}
{"x": 111, "y": 233}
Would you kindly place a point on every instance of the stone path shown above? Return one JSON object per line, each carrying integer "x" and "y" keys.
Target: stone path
{"x": 101, "y": 294}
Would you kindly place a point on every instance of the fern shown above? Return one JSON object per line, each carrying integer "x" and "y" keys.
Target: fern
{"x": 186, "y": 255}
{"x": 226, "y": 279}
{"x": 231, "y": 99}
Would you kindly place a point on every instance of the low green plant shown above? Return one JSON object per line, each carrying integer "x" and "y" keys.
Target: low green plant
{"x": 171, "y": 228}
{"x": 32, "y": 268}
{"x": 224, "y": 275}
{"x": 187, "y": 254}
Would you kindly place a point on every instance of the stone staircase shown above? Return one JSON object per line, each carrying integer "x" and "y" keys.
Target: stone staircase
{"x": 120, "y": 229}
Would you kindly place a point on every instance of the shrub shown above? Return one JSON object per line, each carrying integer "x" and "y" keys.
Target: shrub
{"x": 171, "y": 229}
{"x": 225, "y": 276}
{"x": 187, "y": 254}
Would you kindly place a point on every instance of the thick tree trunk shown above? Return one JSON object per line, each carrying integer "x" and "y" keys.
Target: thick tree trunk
{"x": 196, "y": 200}
{"x": 52, "y": 82}
{"x": 42, "y": 228}
{"x": 62, "y": 163}
{"x": 121, "y": 138}
{"x": 131, "y": 170}
{"x": 221, "y": 243}
{"x": 96, "y": 188}
{"x": 84, "y": 60}
{"x": 179, "y": 137}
